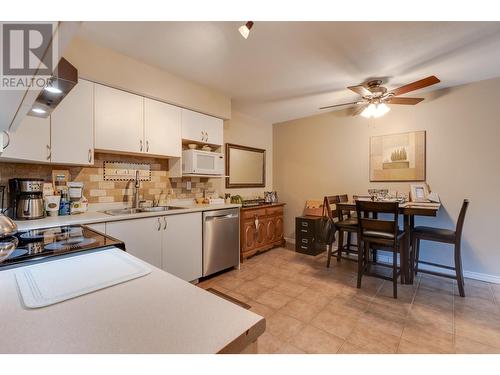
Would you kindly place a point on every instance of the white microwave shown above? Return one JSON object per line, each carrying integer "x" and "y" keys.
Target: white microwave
{"x": 202, "y": 162}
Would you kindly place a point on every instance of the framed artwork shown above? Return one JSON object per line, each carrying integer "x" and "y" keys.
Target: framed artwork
{"x": 398, "y": 157}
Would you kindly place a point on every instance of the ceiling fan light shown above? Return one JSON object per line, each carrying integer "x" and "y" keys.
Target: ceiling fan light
{"x": 245, "y": 29}
{"x": 369, "y": 111}
{"x": 381, "y": 110}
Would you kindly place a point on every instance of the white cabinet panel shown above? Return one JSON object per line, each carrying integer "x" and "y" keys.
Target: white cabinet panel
{"x": 98, "y": 227}
{"x": 119, "y": 120}
{"x": 30, "y": 141}
{"x": 182, "y": 245}
{"x": 214, "y": 129}
{"x": 162, "y": 128}
{"x": 72, "y": 126}
{"x": 202, "y": 128}
{"x": 142, "y": 237}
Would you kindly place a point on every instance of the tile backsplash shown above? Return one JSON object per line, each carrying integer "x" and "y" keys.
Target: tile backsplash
{"x": 97, "y": 190}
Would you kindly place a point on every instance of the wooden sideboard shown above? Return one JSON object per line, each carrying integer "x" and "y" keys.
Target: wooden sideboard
{"x": 261, "y": 228}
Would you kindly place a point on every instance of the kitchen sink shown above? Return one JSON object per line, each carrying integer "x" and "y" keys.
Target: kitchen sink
{"x": 159, "y": 208}
{"x": 130, "y": 211}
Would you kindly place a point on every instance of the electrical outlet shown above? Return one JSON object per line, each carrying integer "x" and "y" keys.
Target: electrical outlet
{"x": 188, "y": 185}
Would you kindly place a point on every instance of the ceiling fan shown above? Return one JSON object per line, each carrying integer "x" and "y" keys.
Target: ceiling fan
{"x": 374, "y": 97}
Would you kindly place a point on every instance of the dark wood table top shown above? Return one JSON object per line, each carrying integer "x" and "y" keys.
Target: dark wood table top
{"x": 409, "y": 208}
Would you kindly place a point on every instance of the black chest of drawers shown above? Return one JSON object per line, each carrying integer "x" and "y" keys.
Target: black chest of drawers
{"x": 306, "y": 229}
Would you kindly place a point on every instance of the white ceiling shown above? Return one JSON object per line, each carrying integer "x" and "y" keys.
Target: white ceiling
{"x": 287, "y": 70}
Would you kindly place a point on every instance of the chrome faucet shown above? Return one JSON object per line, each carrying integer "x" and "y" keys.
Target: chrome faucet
{"x": 137, "y": 186}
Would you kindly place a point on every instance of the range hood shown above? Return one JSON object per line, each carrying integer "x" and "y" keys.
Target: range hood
{"x": 64, "y": 79}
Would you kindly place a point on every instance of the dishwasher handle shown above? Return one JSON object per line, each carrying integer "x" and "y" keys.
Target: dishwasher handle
{"x": 221, "y": 217}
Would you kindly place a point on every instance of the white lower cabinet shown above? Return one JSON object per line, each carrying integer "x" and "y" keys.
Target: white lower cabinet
{"x": 172, "y": 242}
{"x": 98, "y": 227}
{"x": 182, "y": 245}
{"x": 142, "y": 237}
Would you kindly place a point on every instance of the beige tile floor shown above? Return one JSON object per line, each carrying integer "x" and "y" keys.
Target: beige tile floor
{"x": 312, "y": 309}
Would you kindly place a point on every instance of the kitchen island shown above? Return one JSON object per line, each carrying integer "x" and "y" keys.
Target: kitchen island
{"x": 157, "y": 313}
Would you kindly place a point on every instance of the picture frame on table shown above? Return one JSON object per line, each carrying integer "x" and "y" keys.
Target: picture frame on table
{"x": 419, "y": 193}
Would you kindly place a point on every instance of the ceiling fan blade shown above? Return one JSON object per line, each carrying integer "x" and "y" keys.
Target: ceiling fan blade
{"x": 361, "y": 90}
{"x": 339, "y": 105}
{"x": 429, "y": 81}
{"x": 406, "y": 101}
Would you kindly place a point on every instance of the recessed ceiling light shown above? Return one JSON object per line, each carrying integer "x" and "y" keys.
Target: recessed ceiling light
{"x": 245, "y": 29}
{"x": 39, "y": 110}
{"x": 53, "y": 90}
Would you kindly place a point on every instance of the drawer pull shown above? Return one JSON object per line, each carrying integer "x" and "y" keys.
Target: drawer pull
{"x": 305, "y": 240}
{"x": 304, "y": 247}
{"x": 304, "y": 230}
{"x": 304, "y": 224}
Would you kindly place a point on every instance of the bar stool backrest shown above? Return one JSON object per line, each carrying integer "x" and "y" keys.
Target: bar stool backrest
{"x": 460, "y": 221}
{"x": 368, "y": 217}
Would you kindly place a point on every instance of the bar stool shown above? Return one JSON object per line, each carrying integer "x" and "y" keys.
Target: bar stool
{"x": 444, "y": 236}
{"x": 331, "y": 200}
{"x": 346, "y": 223}
{"x": 380, "y": 234}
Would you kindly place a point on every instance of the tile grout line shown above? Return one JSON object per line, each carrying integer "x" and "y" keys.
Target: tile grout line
{"x": 367, "y": 308}
{"x": 408, "y": 313}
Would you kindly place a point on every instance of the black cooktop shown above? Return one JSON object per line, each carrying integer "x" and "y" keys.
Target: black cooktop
{"x": 38, "y": 244}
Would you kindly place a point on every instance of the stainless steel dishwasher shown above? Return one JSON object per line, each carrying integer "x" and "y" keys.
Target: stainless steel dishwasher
{"x": 221, "y": 240}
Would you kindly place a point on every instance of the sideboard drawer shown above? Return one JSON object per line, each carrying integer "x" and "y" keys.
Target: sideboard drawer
{"x": 250, "y": 214}
{"x": 274, "y": 211}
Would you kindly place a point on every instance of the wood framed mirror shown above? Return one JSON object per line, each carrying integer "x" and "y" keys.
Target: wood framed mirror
{"x": 245, "y": 166}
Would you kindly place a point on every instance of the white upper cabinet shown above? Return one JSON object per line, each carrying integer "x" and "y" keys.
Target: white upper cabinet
{"x": 72, "y": 124}
{"x": 162, "y": 128}
{"x": 30, "y": 141}
{"x": 202, "y": 128}
{"x": 119, "y": 120}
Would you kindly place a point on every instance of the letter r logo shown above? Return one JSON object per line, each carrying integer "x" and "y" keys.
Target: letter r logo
{"x": 26, "y": 49}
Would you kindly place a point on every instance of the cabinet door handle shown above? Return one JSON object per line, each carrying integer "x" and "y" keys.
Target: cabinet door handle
{"x": 140, "y": 145}
{"x": 49, "y": 152}
{"x": 147, "y": 146}
{"x": 206, "y": 136}
{"x": 8, "y": 140}
{"x": 165, "y": 223}
{"x": 159, "y": 225}
{"x": 90, "y": 155}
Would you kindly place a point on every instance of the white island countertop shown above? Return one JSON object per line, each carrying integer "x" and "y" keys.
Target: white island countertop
{"x": 98, "y": 216}
{"x": 157, "y": 313}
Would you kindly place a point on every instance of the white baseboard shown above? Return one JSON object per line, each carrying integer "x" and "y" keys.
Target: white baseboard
{"x": 468, "y": 274}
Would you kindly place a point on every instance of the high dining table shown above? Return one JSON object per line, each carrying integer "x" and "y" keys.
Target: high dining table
{"x": 409, "y": 210}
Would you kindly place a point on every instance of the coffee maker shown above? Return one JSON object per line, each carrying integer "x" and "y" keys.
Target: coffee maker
{"x": 26, "y": 198}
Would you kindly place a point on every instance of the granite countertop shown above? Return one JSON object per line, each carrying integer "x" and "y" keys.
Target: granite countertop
{"x": 157, "y": 313}
{"x": 92, "y": 217}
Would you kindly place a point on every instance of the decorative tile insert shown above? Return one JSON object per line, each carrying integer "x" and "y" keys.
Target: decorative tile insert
{"x": 98, "y": 190}
{"x": 123, "y": 171}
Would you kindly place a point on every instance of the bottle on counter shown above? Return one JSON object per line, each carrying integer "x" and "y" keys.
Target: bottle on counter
{"x": 64, "y": 206}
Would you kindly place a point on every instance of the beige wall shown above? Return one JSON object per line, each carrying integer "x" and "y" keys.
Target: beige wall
{"x": 106, "y": 66}
{"x": 328, "y": 154}
{"x": 248, "y": 131}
